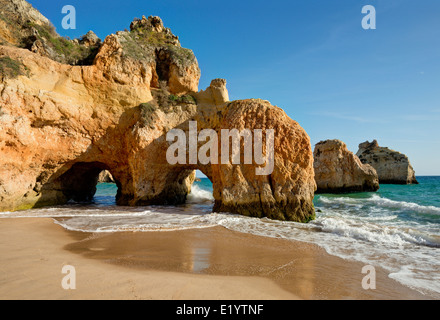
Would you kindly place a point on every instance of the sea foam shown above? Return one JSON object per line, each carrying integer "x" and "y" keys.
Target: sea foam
{"x": 402, "y": 237}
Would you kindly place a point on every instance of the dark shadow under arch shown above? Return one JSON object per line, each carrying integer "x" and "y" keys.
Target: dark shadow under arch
{"x": 79, "y": 182}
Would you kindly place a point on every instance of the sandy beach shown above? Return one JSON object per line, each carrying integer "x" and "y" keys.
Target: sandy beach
{"x": 196, "y": 264}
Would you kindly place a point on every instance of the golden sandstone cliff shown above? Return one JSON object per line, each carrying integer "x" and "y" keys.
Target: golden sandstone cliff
{"x": 70, "y": 109}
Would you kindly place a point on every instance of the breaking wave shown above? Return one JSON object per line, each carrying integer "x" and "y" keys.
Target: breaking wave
{"x": 402, "y": 237}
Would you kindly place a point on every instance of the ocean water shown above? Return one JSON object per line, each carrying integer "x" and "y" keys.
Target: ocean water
{"x": 396, "y": 228}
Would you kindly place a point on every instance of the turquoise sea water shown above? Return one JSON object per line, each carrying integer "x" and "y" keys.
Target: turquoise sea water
{"x": 396, "y": 228}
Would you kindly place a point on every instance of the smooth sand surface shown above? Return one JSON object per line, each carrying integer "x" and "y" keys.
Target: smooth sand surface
{"x": 203, "y": 264}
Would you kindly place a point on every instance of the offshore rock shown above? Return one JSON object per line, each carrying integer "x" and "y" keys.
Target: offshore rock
{"x": 392, "y": 167}
{"x": 106, "y": 176}
{"x": 338, "y": 170}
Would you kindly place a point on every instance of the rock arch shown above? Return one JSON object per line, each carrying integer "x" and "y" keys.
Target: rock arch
{"x": 62, "y": 124}
{"x": 134, "y": 150}
{"x": 79, "y": 182}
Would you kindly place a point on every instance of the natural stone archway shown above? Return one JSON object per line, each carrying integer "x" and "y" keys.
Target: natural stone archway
{"x": 62, "y": 124}
{"x": 285, "y": 194}
{"x": 73, "y": 182}
{"x": 79, "y": 182}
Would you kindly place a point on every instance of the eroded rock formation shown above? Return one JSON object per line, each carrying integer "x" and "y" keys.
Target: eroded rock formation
{"x": 392, "y": 167}
{"x": 105, "y": 176}
{"x": 337, "y": 170}
{"x": 62, "y": 124}
{"x": 23, "y": 26}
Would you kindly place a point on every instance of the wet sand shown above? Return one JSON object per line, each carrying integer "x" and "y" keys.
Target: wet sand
{"x": 203, "y": 264}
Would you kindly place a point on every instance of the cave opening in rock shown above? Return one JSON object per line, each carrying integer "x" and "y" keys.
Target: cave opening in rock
{"x": 162, "y": 71}
{"x": 177, "y": 186}
{"x": 163, "y": 61}
{"x": 201, "y": 190}
{"x": 106, "y": 189}
{"x": 93, "y": 183}
{"x": 79, "y": 183}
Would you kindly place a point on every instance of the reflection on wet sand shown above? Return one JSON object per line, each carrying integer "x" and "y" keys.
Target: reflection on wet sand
{"x": 304, "y": 269}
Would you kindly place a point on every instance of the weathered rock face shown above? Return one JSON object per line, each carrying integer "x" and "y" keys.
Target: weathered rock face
{"x": 90, "y": 39}
{"x": 61, "y": 125}
{"x": 392, "y": 167}
{"x": 285, "y": 194}
{"x": 216, "y": 93}
{"x": 15, "y": 19}
{"x": 23, "y": 26}
{"x": 338, "y": 170}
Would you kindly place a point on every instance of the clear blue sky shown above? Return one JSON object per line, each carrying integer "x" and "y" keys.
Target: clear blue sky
{"x": 312, "y": 58}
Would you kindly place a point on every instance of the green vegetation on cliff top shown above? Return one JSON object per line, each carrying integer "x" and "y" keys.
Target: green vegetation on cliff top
{"x": 141, "y": 44}
{"x": 10, "y": 68}
{"x": 68, "y": 51}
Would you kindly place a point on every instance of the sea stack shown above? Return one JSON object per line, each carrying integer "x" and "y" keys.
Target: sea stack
{"x": 105, "y": 177}
{"x": 337, "y": 170}
{"x": 70, "y": 109}
{"x": 392, "y": 167}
